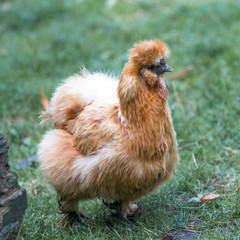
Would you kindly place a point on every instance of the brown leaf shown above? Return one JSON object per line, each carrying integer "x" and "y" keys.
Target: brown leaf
{"x": 44, "y": 101}
{"x": 12, "y": 119}
{"x": 209, "y": 197}
{"x": 227, "y": 177}
{"x": 181, "y": 74}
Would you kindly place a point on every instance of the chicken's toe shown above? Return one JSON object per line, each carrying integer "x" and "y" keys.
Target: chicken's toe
{"x": 79, "y": 220}
{"x": 71, "y": 218}
{"x": 83, "y": 215}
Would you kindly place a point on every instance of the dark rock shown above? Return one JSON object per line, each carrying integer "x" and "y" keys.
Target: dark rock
{"x": 13, "y": 199}
{"x": 185, "y": 235}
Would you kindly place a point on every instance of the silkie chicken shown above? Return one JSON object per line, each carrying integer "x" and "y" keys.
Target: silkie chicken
{"x": 112, "y": 140}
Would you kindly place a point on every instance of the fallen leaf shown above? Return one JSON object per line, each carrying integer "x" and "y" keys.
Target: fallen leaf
{"x": 181, "y": 74}
{"x": 44, "y": 101}
{"x": 12, "y": 119}
{"x": 181, "y": 196}
{"x": 227, "y": 177}
{"x": 209, "y": 197}
{"x": 186, "y": 146}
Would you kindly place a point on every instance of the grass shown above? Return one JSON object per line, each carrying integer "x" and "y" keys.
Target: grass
{"x": 43, "y": 42}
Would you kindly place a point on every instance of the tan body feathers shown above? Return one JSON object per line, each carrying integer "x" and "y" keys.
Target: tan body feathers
{"x": 111, "y": 141}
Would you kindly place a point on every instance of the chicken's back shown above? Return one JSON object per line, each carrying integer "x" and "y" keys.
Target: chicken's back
{"x": 77, "y": 92}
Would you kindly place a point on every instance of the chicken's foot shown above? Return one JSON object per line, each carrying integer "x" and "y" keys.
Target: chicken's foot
{"x": 122, "y": 210}
{"x": 71, "y": 218}
{"x": 72, "y": 215}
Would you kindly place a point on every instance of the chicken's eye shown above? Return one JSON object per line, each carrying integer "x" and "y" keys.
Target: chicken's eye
{"x": 150, "y": 67}
{"x": 162, "y": 62}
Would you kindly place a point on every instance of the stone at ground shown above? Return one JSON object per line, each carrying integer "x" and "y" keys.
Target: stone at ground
{"x": 183, "y": 235}
{"x": 13, "y": 199}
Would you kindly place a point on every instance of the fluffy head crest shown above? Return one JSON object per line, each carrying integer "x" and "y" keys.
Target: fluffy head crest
{"x": 148, "y": 52}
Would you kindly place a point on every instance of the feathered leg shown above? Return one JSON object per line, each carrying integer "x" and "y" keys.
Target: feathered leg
{"x": 71, "y": 212}
{"x": 123, "y": 210}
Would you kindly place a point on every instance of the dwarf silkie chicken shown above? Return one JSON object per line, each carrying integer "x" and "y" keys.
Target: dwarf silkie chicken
{"x": 113, "y": 140}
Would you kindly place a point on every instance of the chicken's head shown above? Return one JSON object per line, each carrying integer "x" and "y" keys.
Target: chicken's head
{"x": 148, "y": 58}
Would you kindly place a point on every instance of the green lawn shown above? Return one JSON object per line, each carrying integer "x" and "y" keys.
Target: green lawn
{"x": 43, "y": 42}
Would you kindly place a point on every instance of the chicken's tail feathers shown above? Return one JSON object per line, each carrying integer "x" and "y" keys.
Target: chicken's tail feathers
{"x": 45, "y": 116}
{"x": 75, "y": 94}
{"x": 55, "y": 154}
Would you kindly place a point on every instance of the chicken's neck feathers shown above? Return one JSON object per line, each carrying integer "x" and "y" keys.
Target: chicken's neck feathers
{"x": 139, "y": 104}
{"x": 145, "y": 116}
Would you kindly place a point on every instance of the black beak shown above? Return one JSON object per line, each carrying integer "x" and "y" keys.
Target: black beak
{"x": 162, "y": 68}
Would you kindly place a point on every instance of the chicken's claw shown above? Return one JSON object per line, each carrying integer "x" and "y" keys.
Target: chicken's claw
{"x": 79, "y": 220}
{"x": 83, "y": 215}
{"x": 71, "y": 218}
